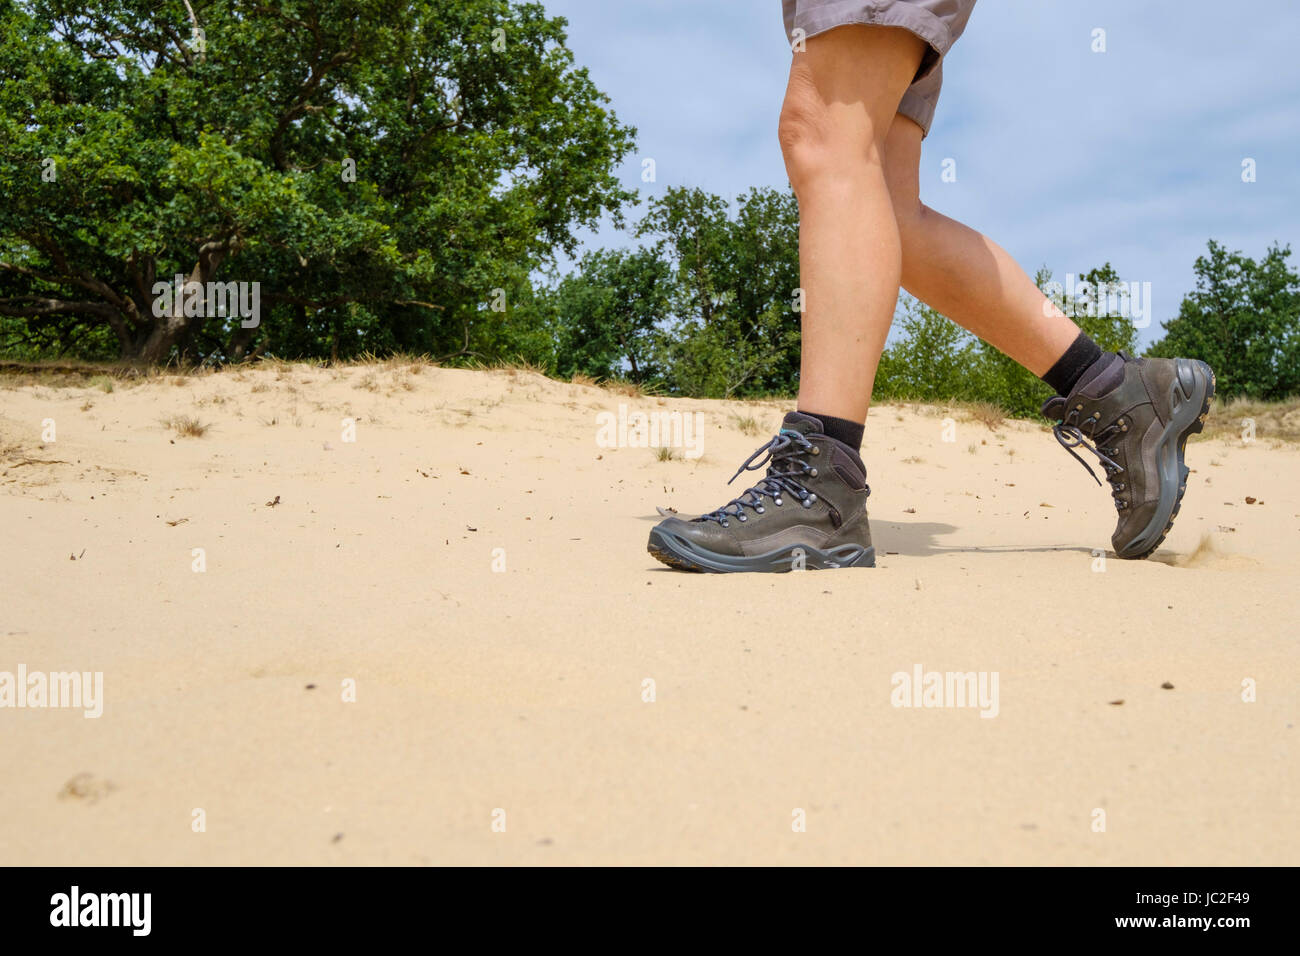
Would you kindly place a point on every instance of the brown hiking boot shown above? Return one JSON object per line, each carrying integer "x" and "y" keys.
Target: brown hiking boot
{"x": 808, "y": 512}
{"x": 1138, "y": 429}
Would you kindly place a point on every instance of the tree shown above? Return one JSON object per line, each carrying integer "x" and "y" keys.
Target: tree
{"x": 933, "y": 359}
{"x": 734, "y": 329}
{"x": 387, "y": 172}
{"x": 608, "y": 314}
{"x": 1243, "y": 318}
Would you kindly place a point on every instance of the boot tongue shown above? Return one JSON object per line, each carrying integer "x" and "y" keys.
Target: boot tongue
{"x": 803, "y": 424}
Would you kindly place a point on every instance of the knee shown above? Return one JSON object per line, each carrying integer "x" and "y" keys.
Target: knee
{"x": 819, "y": 148}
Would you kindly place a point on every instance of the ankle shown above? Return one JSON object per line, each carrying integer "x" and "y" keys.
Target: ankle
{"x": 1082, "y": 356}
{"x": 841, "y": 429}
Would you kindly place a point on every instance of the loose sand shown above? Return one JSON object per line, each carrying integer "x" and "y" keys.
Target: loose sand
{"x": 524, "y": 690}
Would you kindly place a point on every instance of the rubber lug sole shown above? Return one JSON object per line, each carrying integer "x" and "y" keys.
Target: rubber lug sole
{"x": 676, "y": 552}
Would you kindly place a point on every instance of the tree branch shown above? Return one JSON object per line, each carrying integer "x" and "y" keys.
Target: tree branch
{"x": 39, "y": 306}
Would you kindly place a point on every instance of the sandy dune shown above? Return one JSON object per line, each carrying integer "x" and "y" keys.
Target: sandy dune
{"x": 522, "y": 690}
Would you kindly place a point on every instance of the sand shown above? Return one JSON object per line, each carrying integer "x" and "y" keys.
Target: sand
{"x": 435, "y": 648}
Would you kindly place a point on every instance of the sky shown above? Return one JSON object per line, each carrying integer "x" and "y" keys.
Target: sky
{"x": 1067, "y": 157}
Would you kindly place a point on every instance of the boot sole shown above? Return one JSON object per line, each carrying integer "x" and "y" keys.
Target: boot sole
{"x": 676, "y": 552}
{"x": 1190, "y": 396}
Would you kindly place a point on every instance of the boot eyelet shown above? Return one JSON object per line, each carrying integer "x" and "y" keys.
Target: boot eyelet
{"x": 813, "y": 473}
{"x": 816, "y": 450}
{"x": 725, "y": 525}
{"x": 777, "y": 502}
{"x": 742, "y": 518}
{"x": 761, "y": 510}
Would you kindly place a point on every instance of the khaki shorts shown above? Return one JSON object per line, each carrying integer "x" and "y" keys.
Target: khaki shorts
{"x": 938, "y": 22}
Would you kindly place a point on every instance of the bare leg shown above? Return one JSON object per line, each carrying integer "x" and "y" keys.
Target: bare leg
{"x": 842, "y": 96}
{"x": 965, "y": 275}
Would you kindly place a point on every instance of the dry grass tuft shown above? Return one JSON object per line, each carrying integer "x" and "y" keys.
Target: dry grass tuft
{"x": 521, "y": 365}
{"x": 186, "y": 425}
{"x": 986, "y": 413}
{"x": 1279, "y": 421}
{"x": 630, "y": 389}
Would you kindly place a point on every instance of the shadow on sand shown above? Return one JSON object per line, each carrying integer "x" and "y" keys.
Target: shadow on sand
{"x": 917, "y": 539}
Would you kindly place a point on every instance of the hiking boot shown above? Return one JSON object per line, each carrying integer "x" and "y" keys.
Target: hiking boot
{"x": 808, "y": 512}
{"x": 1138, "y": 429}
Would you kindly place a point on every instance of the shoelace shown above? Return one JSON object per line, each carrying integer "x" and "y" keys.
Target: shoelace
{"x": 787, "y": 446}
{"x": 1069, "y": 433}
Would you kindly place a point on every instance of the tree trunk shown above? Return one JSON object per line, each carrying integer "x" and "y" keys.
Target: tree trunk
{"x": 239, "y": 342}
{"x": 176, "y": 327}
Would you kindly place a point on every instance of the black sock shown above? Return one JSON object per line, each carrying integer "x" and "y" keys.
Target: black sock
{"x": 841, "y": 429}
{"x": 1069, "y": 368}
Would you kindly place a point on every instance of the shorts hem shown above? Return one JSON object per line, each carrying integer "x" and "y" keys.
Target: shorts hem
{"x": 921, "y": 23}
{"x": 919, "y": 108}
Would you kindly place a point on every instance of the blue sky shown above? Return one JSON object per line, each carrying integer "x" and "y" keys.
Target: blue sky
{"x": 1067, "y": 157}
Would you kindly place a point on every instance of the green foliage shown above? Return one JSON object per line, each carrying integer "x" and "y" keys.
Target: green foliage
{"x": 608, "y": 314}
{"x": 1244, "y": 319}
{"x": 718, "y": 360}
{"x": 932, "y": 360}
{"x": 734, "y": 331}
{"x": 134, "y": 147}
